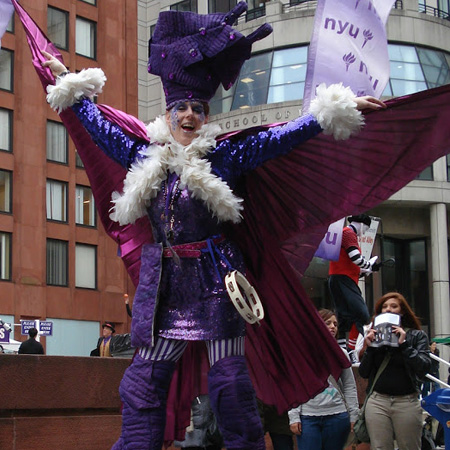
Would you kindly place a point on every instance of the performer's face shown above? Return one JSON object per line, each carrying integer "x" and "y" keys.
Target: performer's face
{"x": 185, "y": 119}
{"x": 332, "y": 325}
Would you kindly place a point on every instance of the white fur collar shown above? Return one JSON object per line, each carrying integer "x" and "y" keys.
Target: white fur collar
{"x": 144, "y": 178}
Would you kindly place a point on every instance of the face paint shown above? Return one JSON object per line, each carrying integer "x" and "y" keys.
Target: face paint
{"x": 185, "y": 119}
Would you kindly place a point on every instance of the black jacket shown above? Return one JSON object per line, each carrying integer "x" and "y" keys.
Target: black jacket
{"x": 31, "y": 347}
{"x": 415, "y": 351}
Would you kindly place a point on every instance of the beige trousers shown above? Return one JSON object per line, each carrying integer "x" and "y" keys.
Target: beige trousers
{"x": 390, "y": 417}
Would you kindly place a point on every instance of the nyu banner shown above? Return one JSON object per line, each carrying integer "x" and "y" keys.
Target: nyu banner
{"x": 330, "y": 246}
{"x": 349, "y": 45}
{"x": 6, "y": 10}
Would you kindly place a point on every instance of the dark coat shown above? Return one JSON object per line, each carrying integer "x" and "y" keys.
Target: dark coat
{"x": 415, "y": 351}
{"x": 31, "y": 347}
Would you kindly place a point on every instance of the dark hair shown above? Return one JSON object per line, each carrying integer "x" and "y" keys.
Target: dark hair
{"x": 325, "y": 314}
{"x": 32, "y": 332}
{"x": 409, "y": 319}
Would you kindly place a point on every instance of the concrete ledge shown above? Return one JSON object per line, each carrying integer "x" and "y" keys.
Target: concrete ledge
{"x": 58, "y": 402}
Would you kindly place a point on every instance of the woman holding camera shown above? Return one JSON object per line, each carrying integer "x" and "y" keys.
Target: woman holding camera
{"x": 393, "y": 410}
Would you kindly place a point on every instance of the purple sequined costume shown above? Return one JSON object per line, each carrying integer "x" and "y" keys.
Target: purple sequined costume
{"x": 189, "y": 296}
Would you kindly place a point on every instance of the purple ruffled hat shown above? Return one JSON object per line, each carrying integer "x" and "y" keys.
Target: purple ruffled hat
{"x": 194, "y": 53}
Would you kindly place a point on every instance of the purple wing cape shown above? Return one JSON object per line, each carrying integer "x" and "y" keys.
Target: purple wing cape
{"x": 289, "y": 203}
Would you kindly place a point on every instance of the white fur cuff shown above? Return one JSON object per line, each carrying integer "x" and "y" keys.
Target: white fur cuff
{"x": 335, "y": 109}
{"x": 73, "y": 87}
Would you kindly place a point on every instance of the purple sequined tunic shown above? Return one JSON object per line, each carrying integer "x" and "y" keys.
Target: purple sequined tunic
{"x": 189, "y": 301}
{"x": 193, "y": 302}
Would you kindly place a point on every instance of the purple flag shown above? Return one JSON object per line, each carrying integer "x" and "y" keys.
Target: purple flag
{"x": 6, "y": 11}
{"x": 330, "y": 246}
{"x": 349, "y": 45}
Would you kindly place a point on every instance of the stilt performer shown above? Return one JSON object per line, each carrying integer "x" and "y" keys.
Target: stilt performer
{"x": 188, "y": 207}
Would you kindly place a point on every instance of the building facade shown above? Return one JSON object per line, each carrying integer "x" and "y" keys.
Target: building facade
{"x": 57, "y": 264}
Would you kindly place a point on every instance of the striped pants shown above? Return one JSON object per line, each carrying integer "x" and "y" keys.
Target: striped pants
{"x": 172, "y": 350}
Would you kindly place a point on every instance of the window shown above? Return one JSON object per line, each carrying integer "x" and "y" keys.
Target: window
{"x": 215, "y": 6}
{"x": 57, "y": 142}
{"x": 78, "y": 162}
{"x": 409, "y": 274}
{"x": 56, "y": 200}
{"x": 5, "y": 130}
{"x": 434, "y": 66}
{"x": 5, "y": 256}
{"x": 5, "y": 191}
{"x": 57, "y": 262}
{"x": 253, "y": 83}
{"x": 6, "y": 69}
{"x": 84, "y": 206}
{"x": 426, "y": 174}
{"x": 58, "y": 27}
{"x": 10, "y": 26}
{"x": 288, "y": 74}
{"x": 85, "y": 266}
{"x": 85, "y": 38}
{"x": 256, "y": 8}
{"x": 91, "y": 2}
{"x": 185, "y": 5}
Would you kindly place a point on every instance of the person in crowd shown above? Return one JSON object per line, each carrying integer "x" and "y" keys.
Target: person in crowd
{"x": 344, "y": 274}
{"x": 31, "y": 346}
{"x": 203, "y": 432}
{"x": 188, "y": 184}
{"x": 277, "y": 425}
{"x": 103, "y": 344}
{"x": 393, "y": 410}
{"x": 325, "y": 421}
{"x": 127, "y": 305}
{"x": 428, "y": 385}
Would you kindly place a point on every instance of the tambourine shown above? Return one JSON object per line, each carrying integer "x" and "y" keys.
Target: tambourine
{"x": 248, "y": 305}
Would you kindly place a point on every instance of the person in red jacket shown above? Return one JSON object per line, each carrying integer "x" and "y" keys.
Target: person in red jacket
{"x": 343, "y": 283}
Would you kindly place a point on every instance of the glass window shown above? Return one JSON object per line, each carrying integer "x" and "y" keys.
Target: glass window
{"x": 58, "y": 27}
{"x": 251, "y": 89}
{"x": 56, "y": 200}
{"x": 57, "y": 262}
{"x": 435, "y": 67}
{"x": 85, "y": 38}
{"x": 5, "y": 191}
{"x": 91, "y": 2}
{"x": 78, "y": 162}
{"x": 256, "y": 8}
{"x": 185, "y": 5}
{"x": 6, "y": 69}
{"x": 85, "y": 266}
{"x": 57, "y": 142}
{"x": 10, "y": 26}
{"x": 84, "y": 206}
{"x": 288, "y": 75}
{"x": 5, "y": 256}
{"x": 426, "y": 175}
{"x": 5, "y": 130}
{"x": 220, "y": 5}
{"x": 72, "y": 337}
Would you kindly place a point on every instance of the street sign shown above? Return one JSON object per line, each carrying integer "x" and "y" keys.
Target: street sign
{"x": 45, "y": 328}
{"x": 25, "y": 325}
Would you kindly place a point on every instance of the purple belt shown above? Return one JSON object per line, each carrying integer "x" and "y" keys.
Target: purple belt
{"x": 190, "y": 249}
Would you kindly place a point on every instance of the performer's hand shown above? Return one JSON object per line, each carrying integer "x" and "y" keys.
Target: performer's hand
{"x": 352, "y": 424}
{"x": 56, "y": 66}
{"x": 296, "y": 428}
{"x": 400, "y": 332}
{"x": 369, "y": 102}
